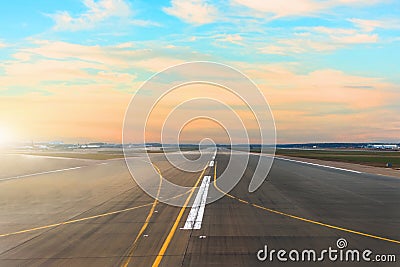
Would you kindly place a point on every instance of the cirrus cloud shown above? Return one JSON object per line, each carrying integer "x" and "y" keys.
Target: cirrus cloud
{"x": 97, "y": 12}
{"x": 192, "y": 11}
{"x": 299, "y": 7}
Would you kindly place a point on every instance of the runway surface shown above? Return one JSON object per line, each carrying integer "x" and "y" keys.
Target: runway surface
{"x": 95, "y": 215}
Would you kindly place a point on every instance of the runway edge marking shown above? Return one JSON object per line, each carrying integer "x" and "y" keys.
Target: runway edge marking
{"x": 48, "y": 172}
{"x": 318, "y": 165}
{"x": 41, "y": 173}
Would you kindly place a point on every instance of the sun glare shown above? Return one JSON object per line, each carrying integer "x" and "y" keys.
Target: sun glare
{"x": 5, "y": 136}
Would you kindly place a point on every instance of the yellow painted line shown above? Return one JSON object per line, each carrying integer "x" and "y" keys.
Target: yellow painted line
{"x": 167, "y": 241}
{"x": 146, "y": 223}
{"x": 84, "y": 219}
{"x": 244, "y": 201}
{"x": 74, "y": 221}
{"x": 327, "y": 225}
{"x": 303, "y": 219}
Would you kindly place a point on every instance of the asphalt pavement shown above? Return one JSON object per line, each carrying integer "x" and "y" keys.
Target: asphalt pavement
{"x": 96, "y": 215}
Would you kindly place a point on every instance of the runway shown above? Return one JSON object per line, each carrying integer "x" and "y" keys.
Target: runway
{"x": 97, "y": 216}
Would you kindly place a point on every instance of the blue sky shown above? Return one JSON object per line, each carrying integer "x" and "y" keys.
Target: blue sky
{"x": 345, "y": 40}
{"x": 154, "y": 23}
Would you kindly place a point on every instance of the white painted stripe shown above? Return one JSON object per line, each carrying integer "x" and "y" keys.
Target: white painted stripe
{"x": 318, "y": 165}
{"x": 47, "y": 172}
{"x": 200, "y": 214}
{"x": 211, "y": 163}
{"x": 195, "y": 208}
{"x": 196, "y": 213}
{"x": 39, "y": 173}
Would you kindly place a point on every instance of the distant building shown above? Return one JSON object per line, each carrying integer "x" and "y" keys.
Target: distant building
{"x": 383, "y": 146}
{"x": 55, "y": 143}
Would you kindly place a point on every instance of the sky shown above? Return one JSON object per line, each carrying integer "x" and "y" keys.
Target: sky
{"x": 329, "y": 69}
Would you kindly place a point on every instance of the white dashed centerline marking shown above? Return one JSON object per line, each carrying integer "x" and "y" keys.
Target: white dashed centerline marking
{"x": 196, "y": 214}
{"x": 318, "y": 165}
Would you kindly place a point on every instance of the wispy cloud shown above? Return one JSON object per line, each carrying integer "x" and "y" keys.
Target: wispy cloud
{"x": 232, "y": 38}
{"x": 311, "y": 58}
{"x": 297, "y": 46}
{"x": 84, "y": 81}
{"x": 47, "y": 63}
{"x": 367, "y": 25}
{"x": 327, "y": 102}
{"x": 54, "y": 62}
{"x": 195, "y": 12}
{"x": 318, "y": 39}
{"x": 2, "y": 44}
{"x": 360, "y": 38}
{"x": 346, "y": 35}
{"x": 97, "y": 12}
{"x": 298, "y": 7}
{"x": 283, "y": 8}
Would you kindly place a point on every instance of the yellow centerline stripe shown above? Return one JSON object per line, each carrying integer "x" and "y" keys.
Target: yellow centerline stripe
{"x": 167, "y": 241}
{"x": 244, "y": 201}
{"x": 84, "y": 219}
{"x": 75, "y": 221}
{"x": 300, "y": 218}
{"x": 327, "y": 225}
{"x": 146, "y": 223}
